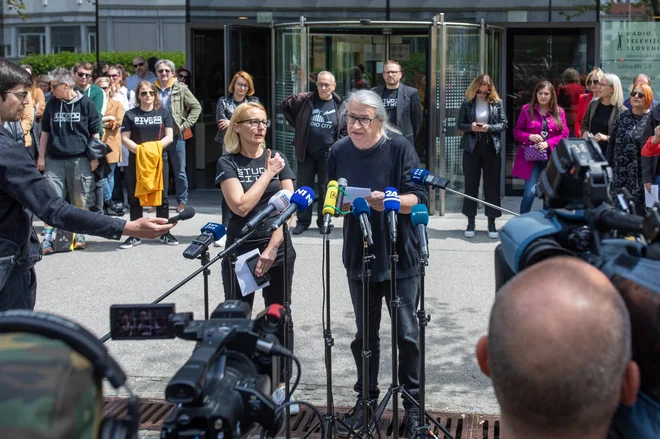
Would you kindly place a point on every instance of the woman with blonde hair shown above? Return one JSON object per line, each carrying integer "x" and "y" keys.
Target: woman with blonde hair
{"x": 593, "y": 81}
{"x": 482, "y": 121}
{"x": 31, "y": 118}
{"x": 111, "y": 120}
{"x": 602, "y": 112}
{"x": 249, "y": 175}
{"x": 120, "y": 92}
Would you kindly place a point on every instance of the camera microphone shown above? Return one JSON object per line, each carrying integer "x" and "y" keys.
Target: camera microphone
{"x": 210, "y": 232}
{"x": 185, "y": 214}
{"x": 361, "y": 210}
{"x": 392, "y": 206}
{"x": 420, "y": 218}
{"x": 300, "y": 200}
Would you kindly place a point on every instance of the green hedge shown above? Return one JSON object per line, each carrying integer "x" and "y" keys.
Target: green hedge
{"x": 45, "y": 63}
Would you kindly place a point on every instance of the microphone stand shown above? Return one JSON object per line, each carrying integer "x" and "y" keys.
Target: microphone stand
{"x": 288, "y": 330}
{"x": 207, "y": 272}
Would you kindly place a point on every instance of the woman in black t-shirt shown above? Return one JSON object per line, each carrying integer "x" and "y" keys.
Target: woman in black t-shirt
{"x": 249, "y": 175}
{"x": 148, "y": 121}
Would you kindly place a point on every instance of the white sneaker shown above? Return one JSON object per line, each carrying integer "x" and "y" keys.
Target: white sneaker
{"x": 220, "y": 242}
{"x": 278, "y": 398}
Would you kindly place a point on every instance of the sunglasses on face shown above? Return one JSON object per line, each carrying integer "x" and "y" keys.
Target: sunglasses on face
{"x": 84, "y": 75}
{"x": 140, "y": 64}
{"x": 164, "y": 71}
{"x": 637, "y": 94}
{"x": 183, "y": 76}
{"x": 113, "y": 76}
{"x": 483, "y": 93}
{"x": 147, "y": 93}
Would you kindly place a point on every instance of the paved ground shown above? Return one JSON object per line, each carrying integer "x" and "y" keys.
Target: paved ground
{"x": 459, "y": 287}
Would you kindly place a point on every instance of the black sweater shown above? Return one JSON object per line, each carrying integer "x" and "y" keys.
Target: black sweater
{"x": 389, "y": 163}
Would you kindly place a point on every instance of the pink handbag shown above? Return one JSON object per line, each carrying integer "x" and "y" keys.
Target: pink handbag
{"x": 532, "y": 153}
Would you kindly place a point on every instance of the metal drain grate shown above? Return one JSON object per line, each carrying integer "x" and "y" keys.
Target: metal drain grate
{"x": 153, "y": 413}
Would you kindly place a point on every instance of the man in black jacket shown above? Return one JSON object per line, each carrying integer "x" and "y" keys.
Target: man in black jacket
{"x": 315, "y": 117}
{"x": 23, "y": 188}
{"x": 402, "y": 103}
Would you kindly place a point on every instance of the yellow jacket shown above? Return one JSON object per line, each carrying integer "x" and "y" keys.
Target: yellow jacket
{"x": 149, "y": 173}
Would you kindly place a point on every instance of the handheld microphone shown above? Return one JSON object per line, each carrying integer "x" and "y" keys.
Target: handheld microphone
{"x": 420, "y": 218}
{"x": 361, "y": 210}
{"x": 392, "y": 206}
{"x": 422, "y": 176}
{"x": 329, "y": 205}
{"x": 185, "y": 214}
{"x": 342, "y": 183}
{"x": 300, "y": 200}
{"x": 210, "y": 232}
{"x": 277, "y": 203}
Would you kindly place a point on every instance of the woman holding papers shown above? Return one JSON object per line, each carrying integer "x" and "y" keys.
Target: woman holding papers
{"x": 249, "y": 175}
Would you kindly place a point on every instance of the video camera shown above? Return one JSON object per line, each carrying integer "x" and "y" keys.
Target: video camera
{"x": 224, "y": 389}
{"x": 625, "y": 247}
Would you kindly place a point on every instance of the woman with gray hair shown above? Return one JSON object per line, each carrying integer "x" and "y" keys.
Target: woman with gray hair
{"x": 375, "y": 155}
{"x": 602, "y": 112}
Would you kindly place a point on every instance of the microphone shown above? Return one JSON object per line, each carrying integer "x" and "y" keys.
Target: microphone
{"x": 420, "y": 218}
{"x": 210, "y": 232}
{"x": 342, "y": 183}
{"x": 392, "y": 206}
{"x": 361, "y": 210}
{"x": 422, "y": 176}
{"x": 300, "y": 200}
{"x": 277, "y": 203}
{"x": 329, "y": 205}
{"x": 185, "y": 214}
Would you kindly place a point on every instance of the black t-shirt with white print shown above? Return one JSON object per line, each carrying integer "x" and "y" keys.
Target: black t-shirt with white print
{"x": 322, "y": 126}
{"x": 147, "y": 126}
{"x": 248, "y": 170}
{"x": 391, "y": 100}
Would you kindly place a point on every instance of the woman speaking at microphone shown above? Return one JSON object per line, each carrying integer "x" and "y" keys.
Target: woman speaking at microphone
{"x": 249, "y": 175}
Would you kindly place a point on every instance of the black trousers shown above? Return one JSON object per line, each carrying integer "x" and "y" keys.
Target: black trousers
{"x": 162, "y": 211}
{"x": 483, "y": 158}
{"x": 272, "y": 294}
{"x": 20, "y": 290}
{"x": 120, "y": 185}
{"x": 312, "y": 166}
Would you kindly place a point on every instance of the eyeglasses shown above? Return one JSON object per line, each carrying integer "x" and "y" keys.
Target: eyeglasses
{"x": 593, "y": 82}
{"x": 604, "y": 84}
{"x": 21, "y": 95}
{"x": 164, "y": 71}
{"x": 147, "y": 93}
{"x": 140, "y": 64}
{"x": 183, "y": 76}
{"x": 105, "y": 88}
{"x": 637, "y": 94}
{"x": 84, "y": 75}
{"x": 323, "y": 85}
{"x": 113, "y": 76}
{"x": 483, "y": 93}
{"x": 239, "y": 85}
{"x": 392, "y": 72}
{"x": 364, "y": 121}
{"x": 254, "y": 123}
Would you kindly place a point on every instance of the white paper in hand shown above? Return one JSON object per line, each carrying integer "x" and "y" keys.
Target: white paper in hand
{"x": 651, "y": 198}
{"x": 354, "y": 192}
{"x": 246, "y": 280}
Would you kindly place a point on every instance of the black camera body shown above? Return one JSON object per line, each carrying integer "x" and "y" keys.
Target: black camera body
{"x": 225, "y": 386}
{"x": 625, "y": 247}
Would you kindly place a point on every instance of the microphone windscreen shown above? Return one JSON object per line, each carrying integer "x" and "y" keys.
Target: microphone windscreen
{"x": 361, "y": 206}
{"x": 187, "y": 213}
{"x": 342, "y": 182}
{"x": 418, "y": 175}
{"x": 303, "y": 197}
{"x": 419, "y": 215}
{"x": 280, "y": 200}
{"x": 391, "y": 201}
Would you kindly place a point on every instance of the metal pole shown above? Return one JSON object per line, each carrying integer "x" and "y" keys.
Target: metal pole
{"x": 482, "y": 47}
{"x": 98, "y": 32}
{"x": 442, "y": 47}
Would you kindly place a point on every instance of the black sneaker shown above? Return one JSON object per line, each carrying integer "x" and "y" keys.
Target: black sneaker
{"x": 492, "y": 230}
{"x": 354, "y": 420}
{"x": 169, "y": 239}
{"x": 299, "y": 229}
{"x": 469, "y": 232}
{"x": 131, "y": 242}
{"x": 411, "y": 422}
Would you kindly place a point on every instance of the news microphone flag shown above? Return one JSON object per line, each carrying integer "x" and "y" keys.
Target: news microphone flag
{"x": 210, "y": 232}
{"x": 392, "y": 205}
{"x": 300, "y": 200}
{"x": 361, "y": 210}
{"x": 420, "y": 218}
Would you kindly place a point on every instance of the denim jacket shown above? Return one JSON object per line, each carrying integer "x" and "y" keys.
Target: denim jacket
{"x": 23, "y": 187}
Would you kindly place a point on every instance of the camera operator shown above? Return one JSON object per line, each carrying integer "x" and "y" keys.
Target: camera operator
{"x": 23, "y": 187}
{"x": 249, "y": 175}
{"x": 375, "y": 155}
{"x": 559, "y": 352}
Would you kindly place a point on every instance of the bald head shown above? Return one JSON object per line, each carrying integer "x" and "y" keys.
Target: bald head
{"x": 558, "y": 347}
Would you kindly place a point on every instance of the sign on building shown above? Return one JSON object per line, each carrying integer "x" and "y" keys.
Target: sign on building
{"x": 630, "y": 48}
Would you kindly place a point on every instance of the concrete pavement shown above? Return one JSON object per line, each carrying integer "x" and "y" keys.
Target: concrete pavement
{"x": 460, "y": 283}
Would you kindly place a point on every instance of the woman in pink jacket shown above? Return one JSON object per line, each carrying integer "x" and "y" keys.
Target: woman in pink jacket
{"x": 541, "y": 123}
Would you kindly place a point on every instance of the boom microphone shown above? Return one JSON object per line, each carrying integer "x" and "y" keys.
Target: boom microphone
{"x": 300, "y": 200}
{"x": 342, "y": 183}
{"x": 361, "y": 210}
{"x": 277, "y": 203}
{"x": 329, "y": 205}
{"x": 392, "y": 206}
{"x": 185, "y": 214}
{"x": 210, "y": 232}
{"x": 420, "y": 218}
{"x": 422, "y": 176}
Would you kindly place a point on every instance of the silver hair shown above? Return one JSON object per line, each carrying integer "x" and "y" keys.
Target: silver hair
{"x": 169, "y": 63}
{"x": 325, "y": 72}
{"x": 371, "y": 99}
{"x": 61, "y": 76}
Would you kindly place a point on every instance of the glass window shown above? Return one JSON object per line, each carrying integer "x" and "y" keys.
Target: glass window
{"x": 91, "y": 38}
{"x": 31, "y": 41}
{"x": 65, "y": 39}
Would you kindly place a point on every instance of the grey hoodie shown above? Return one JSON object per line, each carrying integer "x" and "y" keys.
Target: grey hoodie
{"x": 70, "y": 125}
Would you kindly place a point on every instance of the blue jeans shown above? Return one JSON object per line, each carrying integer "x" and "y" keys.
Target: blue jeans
{"x": 177, "y": 153}
{"x": 530, "y": 187}
{"x": 109, "y": 183}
